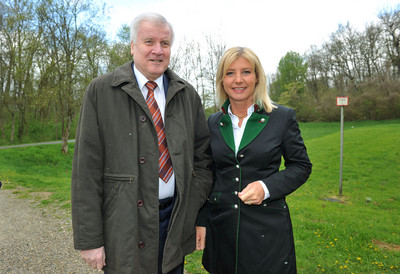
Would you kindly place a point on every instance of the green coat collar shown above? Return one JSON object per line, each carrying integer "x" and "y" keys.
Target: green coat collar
{"x": 256, "y": 123}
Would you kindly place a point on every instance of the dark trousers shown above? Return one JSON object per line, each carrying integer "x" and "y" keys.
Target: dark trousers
{"x": 165, "y": 215}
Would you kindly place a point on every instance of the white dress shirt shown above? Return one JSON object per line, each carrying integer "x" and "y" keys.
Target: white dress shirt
{"x": 166, "y": 189}
{"x": 238, "y": 134}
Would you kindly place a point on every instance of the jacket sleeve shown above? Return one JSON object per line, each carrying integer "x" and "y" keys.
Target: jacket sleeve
{"x": 87, "y": 177}
{"x": 297, "y": 163}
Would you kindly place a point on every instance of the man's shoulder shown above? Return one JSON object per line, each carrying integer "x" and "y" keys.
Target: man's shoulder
{"x": 121, "y": 75}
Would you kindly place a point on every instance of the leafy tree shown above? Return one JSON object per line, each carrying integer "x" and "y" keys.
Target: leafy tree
{"x": 71, "y": 28}
{"x": 291, "y": 76}
{"x": 119, "y": 51}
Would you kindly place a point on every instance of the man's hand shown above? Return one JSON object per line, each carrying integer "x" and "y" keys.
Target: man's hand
{"x": 200, "y": 237}
{"x": 252, "y": 194}
{"x": 95, "y": 258}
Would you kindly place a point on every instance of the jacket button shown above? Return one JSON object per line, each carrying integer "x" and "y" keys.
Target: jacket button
{"x": 140, "y": 203}
{"x": 142, "y": 160}
{"x": 241, "y": 155}
{"x": 142, "y": 118}
{"x": 141, "y": 245}
{"x": 262, "y": 120}
{"x": 235, "y": 206}
{"x": 237, "y": 179}
{"x": 237, "y": 166}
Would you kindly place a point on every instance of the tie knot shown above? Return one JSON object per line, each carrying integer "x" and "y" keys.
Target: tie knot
{"x": 151, "y": 85}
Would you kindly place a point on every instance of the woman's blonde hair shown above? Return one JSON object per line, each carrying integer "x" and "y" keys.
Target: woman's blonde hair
{"x": 260, "y": 94}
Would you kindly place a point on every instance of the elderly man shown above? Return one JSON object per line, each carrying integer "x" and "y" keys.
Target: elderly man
{"x": 141, "y": 167}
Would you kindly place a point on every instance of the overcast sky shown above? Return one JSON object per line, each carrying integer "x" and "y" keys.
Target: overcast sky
{"x": 270, "y": 28}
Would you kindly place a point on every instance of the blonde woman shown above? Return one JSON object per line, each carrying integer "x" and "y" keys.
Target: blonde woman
{"x": 245, "y": 226}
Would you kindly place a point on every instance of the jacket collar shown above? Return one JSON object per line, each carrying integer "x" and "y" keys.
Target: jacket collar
{"x": 256, "y": 123}
{"x": 224, "y": 107}
{"x": 123, "y": 76}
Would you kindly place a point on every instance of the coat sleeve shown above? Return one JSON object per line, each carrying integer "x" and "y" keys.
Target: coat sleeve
{"x": 297, "y": 163}
{"x": 202, "y": 158}
{"x": 87, "y": 177}
{"x": 202, "y": 217}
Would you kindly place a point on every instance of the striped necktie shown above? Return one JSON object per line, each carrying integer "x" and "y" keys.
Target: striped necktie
{"x": 165, "y": 163}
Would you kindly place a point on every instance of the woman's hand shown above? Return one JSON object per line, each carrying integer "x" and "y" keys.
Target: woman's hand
{"x": 252, "y": 194}
{"x": 200, "y": 237}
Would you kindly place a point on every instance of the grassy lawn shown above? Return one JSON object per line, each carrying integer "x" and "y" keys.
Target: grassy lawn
{"x": 358, "y": 232}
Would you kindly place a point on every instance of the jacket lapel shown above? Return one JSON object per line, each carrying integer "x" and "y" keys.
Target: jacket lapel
{"x": 254, "y": 126}
{"x": 225, "y": 126}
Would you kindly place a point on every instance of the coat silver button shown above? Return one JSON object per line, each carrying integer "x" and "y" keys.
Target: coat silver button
{"x": 221, "y": 124}
{"x": 262, "y": 120}
{"x": 235, "y": 206}
{"x": 237, "y": 166}
{"x": 237, "y": 179}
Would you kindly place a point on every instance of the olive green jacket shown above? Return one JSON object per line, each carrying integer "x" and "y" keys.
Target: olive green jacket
{"x": 115, "y": 172}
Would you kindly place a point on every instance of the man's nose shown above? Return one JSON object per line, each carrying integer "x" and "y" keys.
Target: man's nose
{"x": 157, "y": 49}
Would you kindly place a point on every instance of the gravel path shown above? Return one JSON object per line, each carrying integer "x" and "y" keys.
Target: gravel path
{"x": 36, "y": 240}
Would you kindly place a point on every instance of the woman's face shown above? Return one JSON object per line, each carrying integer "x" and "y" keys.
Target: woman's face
{"x": 239, "y": 82}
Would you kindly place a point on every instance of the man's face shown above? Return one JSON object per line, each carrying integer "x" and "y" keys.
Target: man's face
{"x": 152, "y": 49}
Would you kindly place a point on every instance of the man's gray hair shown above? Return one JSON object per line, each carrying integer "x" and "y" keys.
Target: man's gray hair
{"x": 151, "y": 17}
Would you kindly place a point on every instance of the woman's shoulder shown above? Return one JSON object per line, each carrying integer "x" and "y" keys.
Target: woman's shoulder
{"x": 215, "y": 117}
{"x": 282, "y": 110}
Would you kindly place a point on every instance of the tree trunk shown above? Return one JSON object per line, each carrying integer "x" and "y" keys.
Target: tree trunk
{"x": 12, "y": 128}
{"x": 64, "y": 148}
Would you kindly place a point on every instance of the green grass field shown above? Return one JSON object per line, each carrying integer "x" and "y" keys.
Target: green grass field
{"x": 358, "y": 232}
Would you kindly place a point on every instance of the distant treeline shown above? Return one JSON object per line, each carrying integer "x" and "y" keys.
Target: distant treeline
{"x": 364, "y": 65}
{"x": 51, "y": 49}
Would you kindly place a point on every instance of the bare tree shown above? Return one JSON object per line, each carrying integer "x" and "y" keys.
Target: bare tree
{"x": 391, "y": 25}
{"x": 215, "y": 49}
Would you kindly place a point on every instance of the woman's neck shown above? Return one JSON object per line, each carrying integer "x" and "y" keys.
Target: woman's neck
{"x": 240, "y": 110}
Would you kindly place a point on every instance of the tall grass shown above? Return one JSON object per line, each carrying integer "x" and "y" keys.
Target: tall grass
{"x": 358, "y": 232}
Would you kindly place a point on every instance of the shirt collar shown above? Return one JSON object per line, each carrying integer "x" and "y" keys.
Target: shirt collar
{"x": 250, "y": 110}
{"x": 142, "y": 80}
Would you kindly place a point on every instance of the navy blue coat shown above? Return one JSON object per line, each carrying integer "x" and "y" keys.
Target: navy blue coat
{"x": 253, "y": 238}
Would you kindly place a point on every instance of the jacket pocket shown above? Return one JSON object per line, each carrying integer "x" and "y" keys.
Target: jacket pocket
{"x": 279, "y": 205}
{"x": 112, "y": 185}
{"x": 214, "y": 197}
